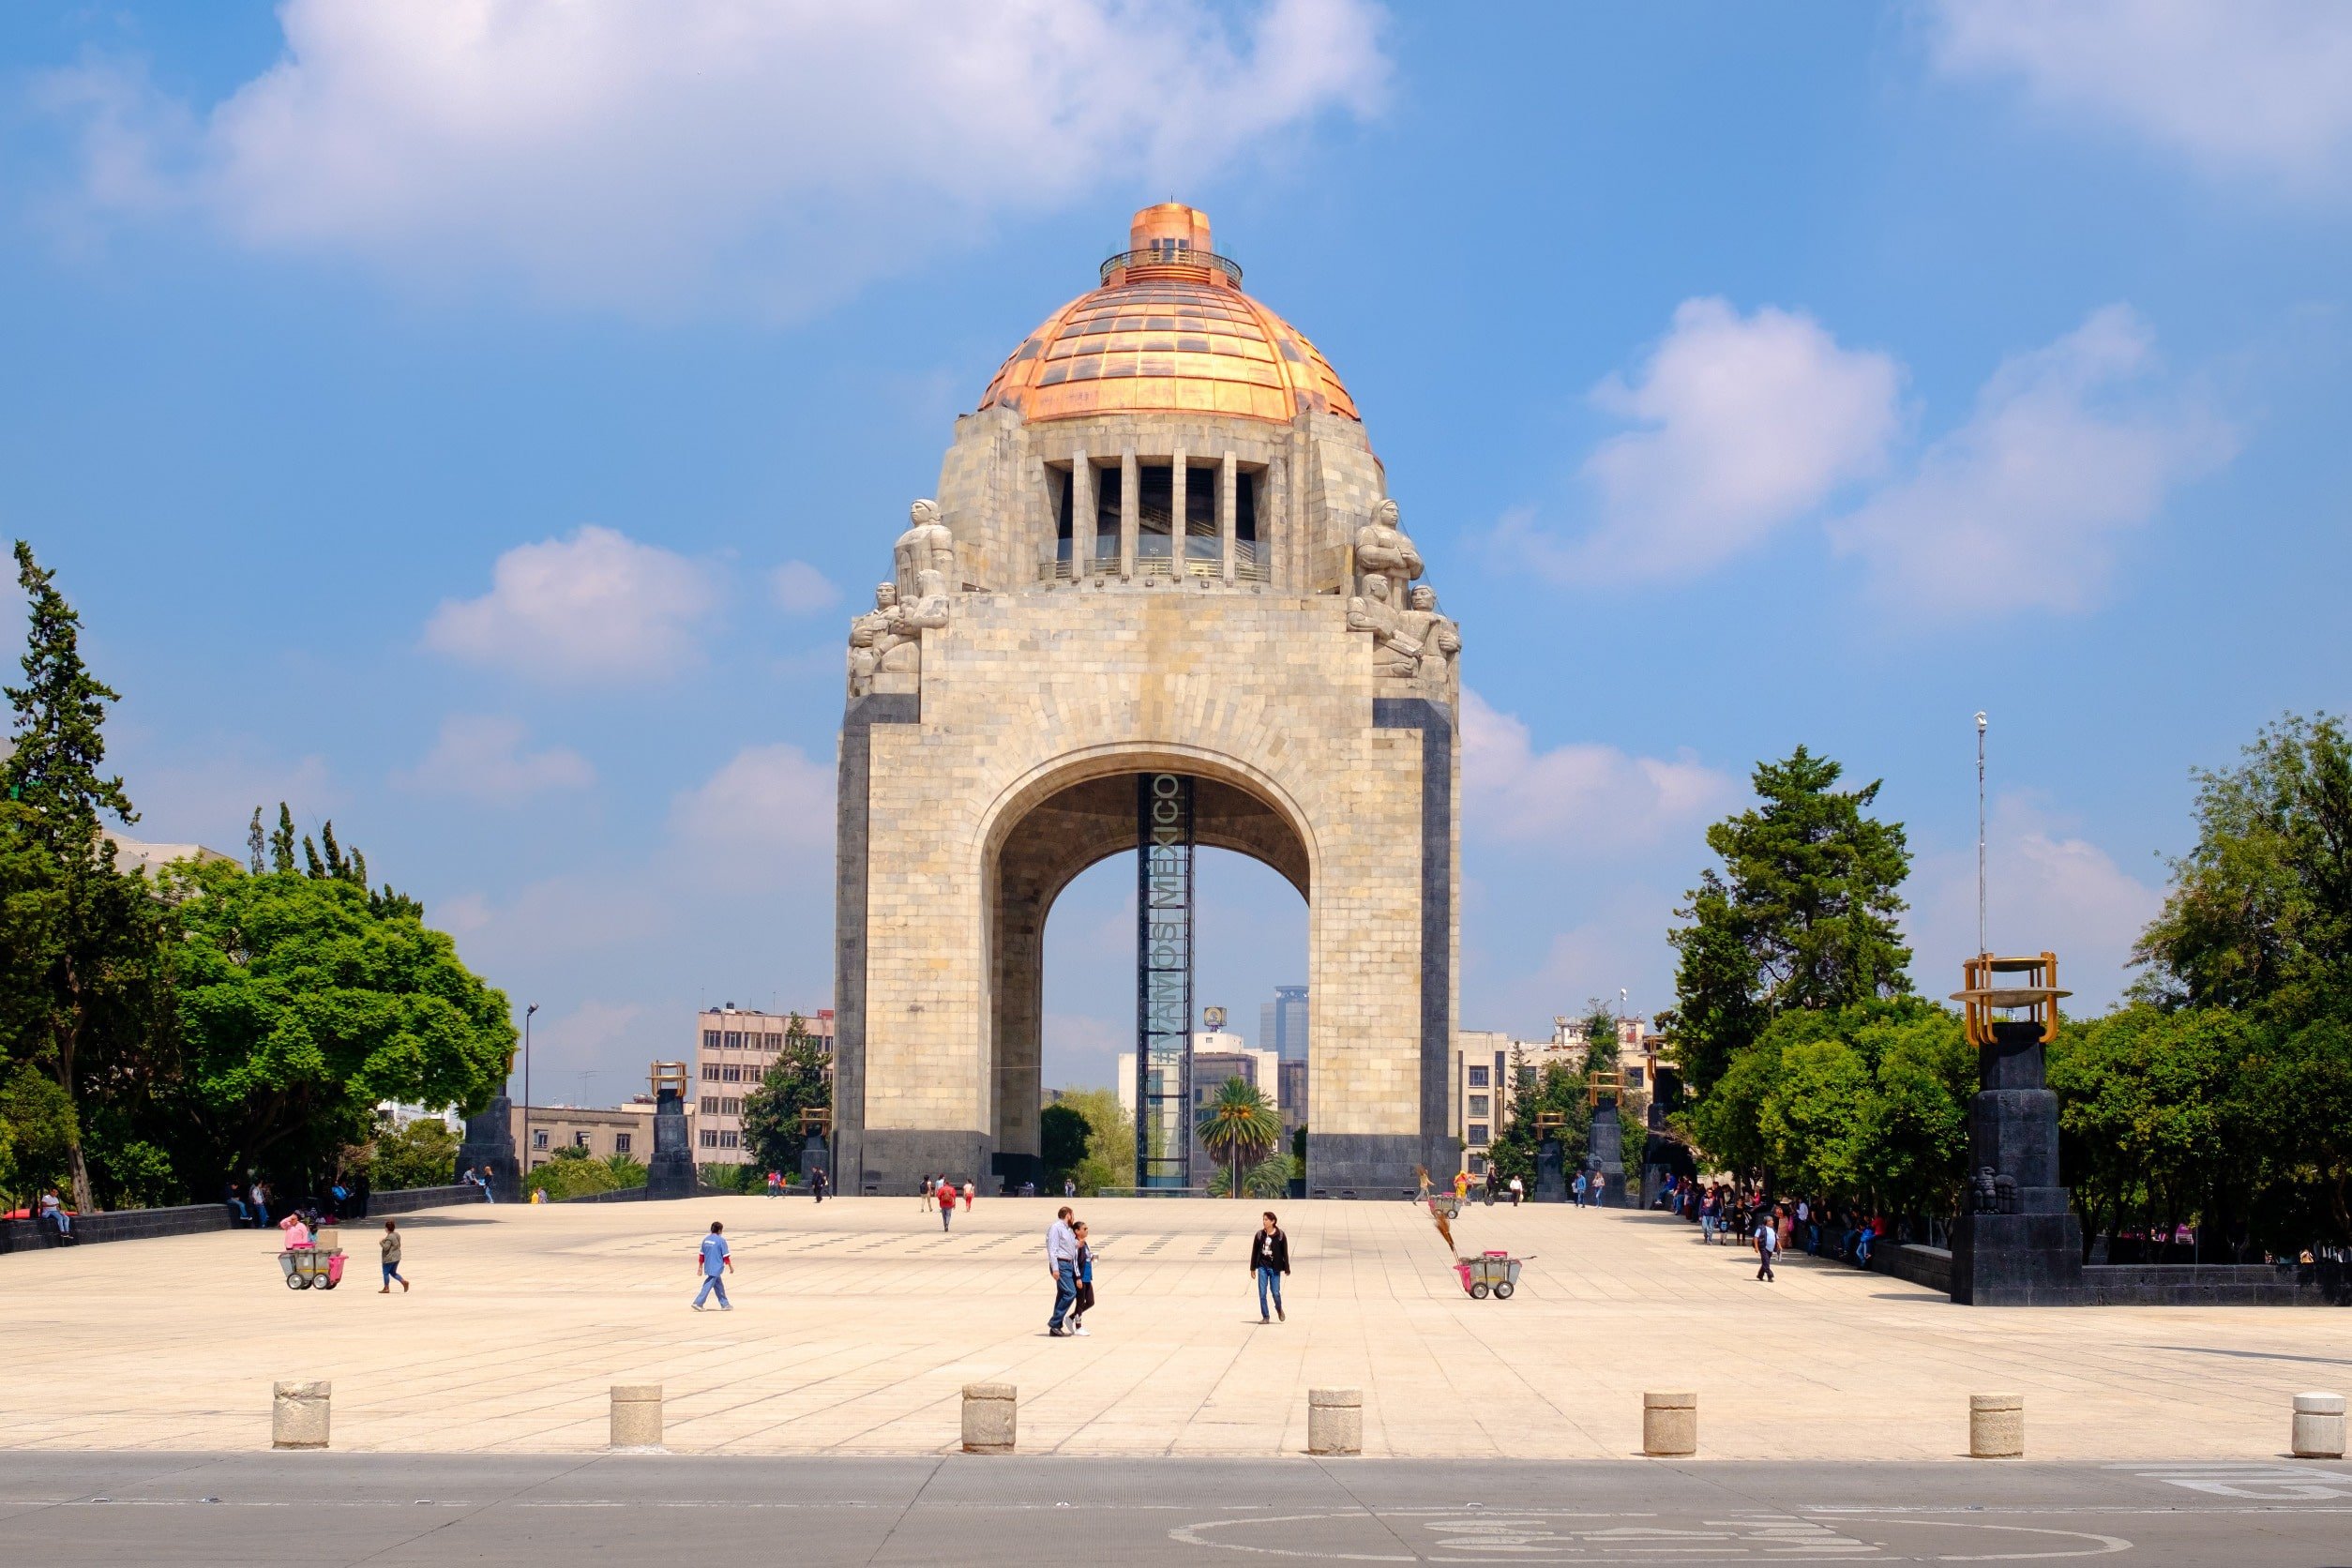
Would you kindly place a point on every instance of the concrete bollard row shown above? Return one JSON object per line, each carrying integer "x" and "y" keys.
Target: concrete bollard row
{"x": 1335, "y": 1421}
{"x": 992, "y": 1417}
{"x": 2318, "y": 1426}
{"x": 1669, "y": 1424}
{"x": 1997, "y": 1425}
{"x": 299, "y": 1414}
{"x": 636, "y": 1415}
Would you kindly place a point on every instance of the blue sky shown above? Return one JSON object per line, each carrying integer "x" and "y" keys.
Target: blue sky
{"x": 476, "y": 431}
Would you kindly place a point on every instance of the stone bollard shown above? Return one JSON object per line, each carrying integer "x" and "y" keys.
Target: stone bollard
{"x": 1669, "y": 1424}
{"x": 992, "y": 1417}
{"x": 297, "y": 1414}
{"x": 2318, "y": 1426}
{"x": 1335, "y": 1421}
{"x": 1997, "y": 1425}
{"x": 636, "y": 1415}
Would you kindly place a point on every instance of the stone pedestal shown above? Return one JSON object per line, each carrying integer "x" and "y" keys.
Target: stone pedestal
{"x": 1605, "y": 1159}
{"x": 1335, "y": 1421}
{"x": 299, "y": 1414}
{"x": 991, "y": 1416}
{"x": 813, "y": 1158}
{"x": 1997, "y": 1425}
{"x": 2318, "y": 1428}
{"x": 490, "y": 1140}
{"x": 1669, "y": 1424}
{"x": 2021, "y": 1244}
{"x": 636, "y": 1415}
{"x": 670, "y": 1172}
{"x": 1551, "y": 1173}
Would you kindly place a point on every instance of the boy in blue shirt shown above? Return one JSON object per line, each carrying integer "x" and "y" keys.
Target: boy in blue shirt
{"x": 716, "y": 1262}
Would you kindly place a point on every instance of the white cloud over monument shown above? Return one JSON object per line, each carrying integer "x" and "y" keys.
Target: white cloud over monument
{"x": 596, "y": 606}
{"x": 663, "y": 159}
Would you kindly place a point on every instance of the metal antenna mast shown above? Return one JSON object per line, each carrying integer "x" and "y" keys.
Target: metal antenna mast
{"x": 1980, "y": 946}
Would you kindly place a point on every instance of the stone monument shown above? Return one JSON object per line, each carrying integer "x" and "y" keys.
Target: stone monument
{"x": 1605, "y": 1158}
{"x": 2019, "y": 1243}
{"x": 670, "y": 1172}
{"x": 490, "y": 1141}
{"x": 1162, "y": 557}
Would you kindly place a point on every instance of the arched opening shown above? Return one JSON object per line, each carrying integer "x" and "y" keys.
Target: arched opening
{"x": 1249, "y": 851}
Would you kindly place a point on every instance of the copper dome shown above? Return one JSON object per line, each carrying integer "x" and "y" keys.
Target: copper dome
{"x": 1169, "y": 330}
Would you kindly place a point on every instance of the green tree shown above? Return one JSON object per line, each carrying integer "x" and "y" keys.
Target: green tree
{"x": 85, "y": 978}
{"x": 569, "y": 1172}
{"x": 2260, "y": 911}
{"x": 1062, "y": 1133}
{"x": 422, "y": 1154}
{"x": 1110, "y": 1160}
{"x": 301, "y": 1007}
{"x": 1801, "y": 915}
{"x": 1600, "y": 1040}
{"x": 1552, "y": 1090}
{"x": 37, "y": 1130}
{"x": 1238, "y": 1126}
{"x": 628, "y": 1170}
{"x": 798, "y": 1081}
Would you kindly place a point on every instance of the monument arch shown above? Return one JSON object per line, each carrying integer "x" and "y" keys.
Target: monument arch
{"x": 1161, "y": 549}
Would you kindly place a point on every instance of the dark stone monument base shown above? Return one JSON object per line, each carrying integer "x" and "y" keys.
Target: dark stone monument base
{"x": 898, "y": 1158}
{"x": 670, "y": 1172}
{"x": 490, "y": 1140}
{"x": 2021, "y": 1259}
{"x": 1551, "y": 1174}
{"x": 1013, "y": 1169}
{"x": 1606, "y": 1162}
{"x": 814, "y": 1158}
{"x": 1363, "y": 1165}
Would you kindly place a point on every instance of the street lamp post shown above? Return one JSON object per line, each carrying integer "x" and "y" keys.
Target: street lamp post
{"x": 525, "y": 1161}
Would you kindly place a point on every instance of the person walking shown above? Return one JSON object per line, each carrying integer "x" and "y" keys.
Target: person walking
{"x": 968, "y": 1195}
{"x": 1085, "y": 1278}
{"x": 1270, "y": 1260}
{"x": 716, "y": 1262}
{"x": 1461, "y": 1186}
{"x": 261, "y": 1205}
{"x": 1518, "y": 1191}
{"x": 390, "y": 1246}
{"x": 817, "y": 1183}
{"x": 946, "y": 1195}
{"x": 1767, "y": 1243}
{"x": 776, "y": 1183}
{"x": 1578, "y": 1185}
{"x": 1061, "y": 1264}
{"x": 930, "y": 1189}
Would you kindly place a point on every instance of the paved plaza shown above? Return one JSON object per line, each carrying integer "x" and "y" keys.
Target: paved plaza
{"x": 856, "y": 1323}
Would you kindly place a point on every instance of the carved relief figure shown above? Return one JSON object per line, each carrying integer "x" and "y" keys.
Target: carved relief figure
{"x": 1383, "y": 551}
{"x": 1395, "y": 651}
{"x": 870, "y": 638}
{"x": 925, "y": 546}
{"x": 1439, "y": 637}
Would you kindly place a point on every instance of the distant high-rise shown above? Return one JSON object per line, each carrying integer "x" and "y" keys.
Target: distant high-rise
{"x": 1282, "y": 1023}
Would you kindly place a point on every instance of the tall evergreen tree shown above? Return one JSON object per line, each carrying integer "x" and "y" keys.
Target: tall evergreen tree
{"x": 96, "y": 942}
{"x": 281, "y": 842}
{"x": 1801, "y": 915}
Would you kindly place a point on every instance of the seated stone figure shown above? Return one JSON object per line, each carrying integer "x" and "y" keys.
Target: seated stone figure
{"x": 1439, "y": 637}
{"x": 1394, "y": 651}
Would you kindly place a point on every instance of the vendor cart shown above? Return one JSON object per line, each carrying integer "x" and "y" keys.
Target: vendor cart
{"x": 1490, "y": 1273}
{"x": 308, "y": 1267}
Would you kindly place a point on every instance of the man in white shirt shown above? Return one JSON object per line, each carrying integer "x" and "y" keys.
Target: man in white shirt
{"x": 1767, "y": 1241}
{"x": 1061, "y": 1264}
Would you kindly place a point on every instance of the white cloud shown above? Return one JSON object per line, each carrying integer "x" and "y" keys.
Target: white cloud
{"x": 801, "y": 589}
{"x": 2257, "y": 86}
{"x": 480, "y": 757}
{"x": 2018, "y": 510}
{"x": 598, "y": 606}
{"x": 2046, "y": 887}
{"x": 769, "y": 806}
{"x": 1749, "y": 422}
{"x": 1593, "y": 799}
{"x": 646, "y": 154}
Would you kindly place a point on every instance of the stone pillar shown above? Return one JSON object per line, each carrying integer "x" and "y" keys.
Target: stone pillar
{"x": 636, "y": 1415}
{"x": 1551, "y": 1175}
{"x": 2026, "y": 1250}
{"x": 991, "y": 1415}
{"x": 670, "y": 1172}
{"x": 1669, "y": 1424}
{"x": 490, "y": 1140}
{"x": 2318, "y": 1426}
{"x": 299, "y": 1414}
{"x": 1997, "y": 1425}
{"x": 1128, "y": 487}
{"x": 1228, "y": 514}
{"x": 1606, "y": 1162}
{"x": 1081, "y": 517}
{"x": 1335, "y": 1421}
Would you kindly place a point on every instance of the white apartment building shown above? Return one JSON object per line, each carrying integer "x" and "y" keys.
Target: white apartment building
{"x": 1483, "y": 1090}
{"x": 733, "y": 1050}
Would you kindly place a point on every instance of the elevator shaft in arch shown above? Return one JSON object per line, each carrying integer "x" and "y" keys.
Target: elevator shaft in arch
{"x": 1163, "y": 958}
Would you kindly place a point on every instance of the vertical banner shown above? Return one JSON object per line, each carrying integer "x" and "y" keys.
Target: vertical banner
{"x": 1163, "y": 963}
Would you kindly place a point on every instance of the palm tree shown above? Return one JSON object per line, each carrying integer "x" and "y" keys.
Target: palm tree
{"x": 1238, "y": 1125}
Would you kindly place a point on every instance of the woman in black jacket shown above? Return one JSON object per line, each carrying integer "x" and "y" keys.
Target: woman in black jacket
{"x": 1269, "y": 1259}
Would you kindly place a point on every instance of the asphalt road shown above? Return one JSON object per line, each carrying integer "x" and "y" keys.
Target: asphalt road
{"x": 326, "y": 1509}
